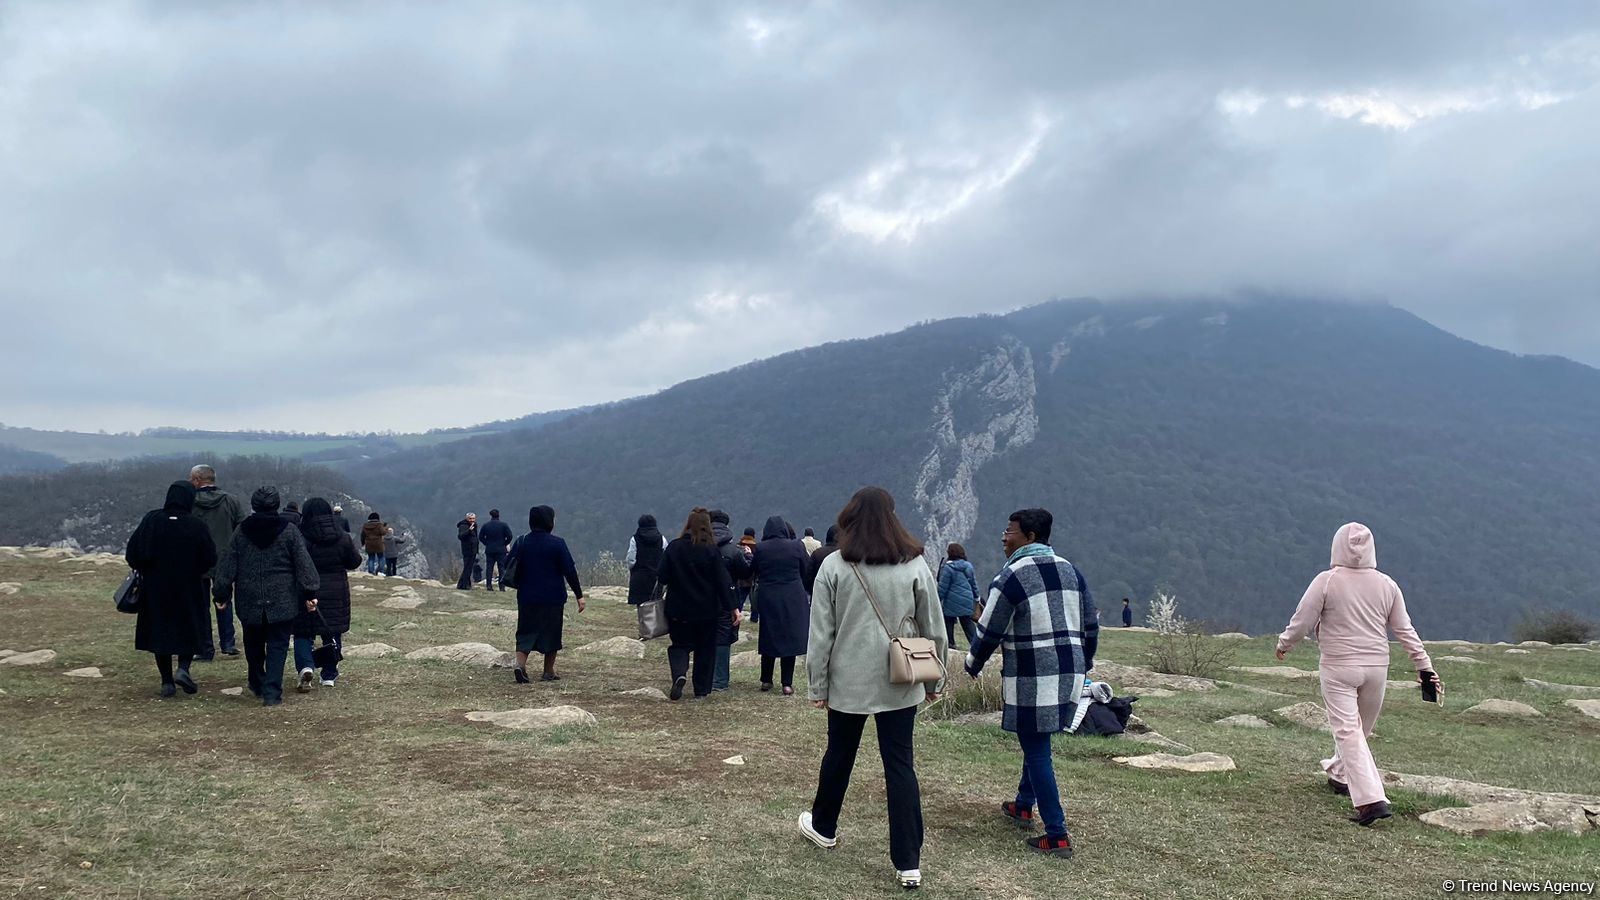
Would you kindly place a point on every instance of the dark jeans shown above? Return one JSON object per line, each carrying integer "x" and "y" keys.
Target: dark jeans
{"x": 967, "y": 628}
{"x": 788, "y": 670}
{"x": 755, "y": 610}
{"x": 491, "y": 562}
{"x": 389, "y": 564}
{"x": 899, "y": 776}
{"x": 1039, "y": 783}
{"x": 164, "y": 665}
{"x": 304, "y": 660}
{"x": 265, "y": 649}
{"x": 699, "y": 638}
{"x": 720, "y": 676}
{"x": 374, "y": 563}
{"x": 225, "y": 636}
{"x": 467, "y": 564}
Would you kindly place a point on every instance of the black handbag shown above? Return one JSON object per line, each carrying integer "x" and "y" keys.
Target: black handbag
{"x": 328, "y": 655}
{"x": 509, "y": 574}
{"x": 129, "y": 596}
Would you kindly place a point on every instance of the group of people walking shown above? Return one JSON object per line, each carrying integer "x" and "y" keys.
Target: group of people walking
{"x": 282, "y": 574}
{"x": 849, "y": 604}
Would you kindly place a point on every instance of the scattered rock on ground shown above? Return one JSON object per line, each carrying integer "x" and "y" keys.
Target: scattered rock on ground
{"x": 6, "y": 653}
{"x": 362, "y": 589}
{"x": 370, "y": 651}
{"x": 1519, "y": 652}
{"x": 534, "y": 719}
{"x": 233, "y": 691}
{"x": 85, "y": 672}
{"x": 1234, "y": 636}
{"x": 1195, "y": 762}
{"x": 737, "y": 760}
{"x": 1590, "y": 708}
{"x": 749, "y": 659}
{"x": 1277, "y": 671}
{"x": 9, "y": 587}
{"x": 1156, "y": 739}
{"x": 1504, "y": 708}
{"x": 648, "y": 693}
{"x": 1535, "y": 644}
{"x": 32, "y": 658}
{"x": 621, "y": 647}
{"x": 1516, "y": 817}
{"x": 1143, "y": 681}
{"x": 1244, "y": 721}
{"x": 1474, "y": 792}
{"x": 1396, "y": 684}
{"x": 469, "y": 652}
{"x": 1450, "y": 643}
{"x": 1461, "y": 659}
{"x": 495, "y": 616}
{"x": 1306, "y": 715}
{"x": 402, "y": 601}
{"x": 1581, "y": 690}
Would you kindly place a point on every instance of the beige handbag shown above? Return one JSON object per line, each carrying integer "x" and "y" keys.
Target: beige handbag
{"x": 912, "y": 660}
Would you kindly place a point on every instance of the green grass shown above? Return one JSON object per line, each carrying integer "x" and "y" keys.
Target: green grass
{"x": 381, "y": 788}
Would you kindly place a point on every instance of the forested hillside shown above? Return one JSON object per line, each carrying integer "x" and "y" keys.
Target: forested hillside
{"x": 1210, "y": 447}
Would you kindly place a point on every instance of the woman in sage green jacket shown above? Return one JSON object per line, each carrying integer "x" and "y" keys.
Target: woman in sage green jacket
{"x": 847, "y": 665}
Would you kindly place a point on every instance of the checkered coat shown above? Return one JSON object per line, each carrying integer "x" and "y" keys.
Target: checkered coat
{"x": 1040, "y": 615}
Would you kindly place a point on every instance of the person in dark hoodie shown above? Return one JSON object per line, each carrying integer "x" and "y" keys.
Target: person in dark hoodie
{"x": 544, "y": 572}
{"x": 818, "y": 555}
{"x": 495, "y": 538}
{"x": 334, "y": 553}
{"x": 172, "y": 552}
{"x": 372, "y": 542}
{"x": 467, "y": 534}
{"x": 221, "y": 513}
{"x": 699, "y": 596}
{"x": 747, "y": 588}
{"x": 291, "y": 511}
{"x": 644, "y": 561}
{"x": 268, "y": 574}
{"x": 780, "y": 566}
{"x": 737, "y": 560}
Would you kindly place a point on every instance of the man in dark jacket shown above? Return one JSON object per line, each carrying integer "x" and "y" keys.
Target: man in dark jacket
{"x": 496, "y": 539}
{"x": 338, "y": 516}
{"x": 467, "y": 534}
{"x": 268, "y": 574}
{"x": 818, "y": 555}
{"x": 221, "y": 513}
{"x": 737, "y": 560}
{"x": 1127, "y": 613}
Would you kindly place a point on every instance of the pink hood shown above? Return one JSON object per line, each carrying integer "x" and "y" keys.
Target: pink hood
{"x": 1353, "y": 548}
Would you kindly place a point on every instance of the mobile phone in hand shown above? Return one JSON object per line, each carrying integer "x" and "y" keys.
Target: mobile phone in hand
{"x": 1430, "y": 691}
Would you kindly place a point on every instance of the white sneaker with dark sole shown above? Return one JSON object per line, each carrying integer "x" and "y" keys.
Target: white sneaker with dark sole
{"x": 814, "y": 836}
{"x": 327, "y": 682}
{"x": 910, "y": 879}
{"x": 307, "y": 678}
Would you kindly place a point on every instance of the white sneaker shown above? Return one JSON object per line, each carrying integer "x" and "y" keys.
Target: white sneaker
{"x": 327, "y": 682}
{"x": 307, "y": 678}
{"x": 910, "y": 879}
{"x": 812, "y": 835}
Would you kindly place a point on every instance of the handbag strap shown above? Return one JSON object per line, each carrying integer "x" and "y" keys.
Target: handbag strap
{"x": 874, "y": 603}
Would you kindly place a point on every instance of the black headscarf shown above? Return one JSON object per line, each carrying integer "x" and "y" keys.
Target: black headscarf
{"x": 776, "y": 528}
{"x": 180, "y": 499}
{"x": 542, "y": 518}
{"x": 647, "y": 521}
{"x": 265, "y": 499}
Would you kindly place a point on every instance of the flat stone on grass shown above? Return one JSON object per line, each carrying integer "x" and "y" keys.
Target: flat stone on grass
{"x": 1277, "y": 671}
{"x": 1194, "y": 762}
{"x": 534, "y": 719}
{"x": 646, "y": 693}
{"x": 85, "y": 672}
{"x": 1515, "y": 817}
{"x": 1590, "y": 708}
{"x": 470, "y": 652}
{"x": 370, "y": 651}
{"x": 31, "y": 658}
{"x": 1579, "y": 690}
{"x": 1244, "y": 721}
{"x": 1503, "y": 708}
{"x": 1306, "y": 715}
{"x": 1462, "y": 659}
{"x": 620, "y": 647}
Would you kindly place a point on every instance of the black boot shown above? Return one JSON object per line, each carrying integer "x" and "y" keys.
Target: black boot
{"x": 1372, "y": 812}
{"x": 185, "y": 681}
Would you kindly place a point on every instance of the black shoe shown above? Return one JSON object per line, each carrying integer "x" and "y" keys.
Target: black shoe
{"x": 677, "y": 687}
{"x": 1023, "y": 817}
{"x": 1339, "y": 787}
{"x": 206, "y": 657}
{"x": 1372, "y": 812}
{"x": 271, "y": 701}
{"x": 521, "y": 675}
{"x": 548, "y": 676}
{"x": 185, "y": 681}
{"x": 230, "y": 651}
{"x": 766, "y": 686}
{"x": 1060, "y": 847}
{"x": 168, "y": 689}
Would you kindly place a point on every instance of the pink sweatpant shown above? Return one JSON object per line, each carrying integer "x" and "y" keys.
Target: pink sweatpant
{"x": 1353, "y": 696}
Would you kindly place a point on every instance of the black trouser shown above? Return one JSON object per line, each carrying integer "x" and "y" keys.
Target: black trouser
{"x": 967, "y": 628}
{"x": 389, "y": 563}
{"x": 467, "y": 565}
{"x": 225, "y": 636}
{"x": 899, "y": 776}
{"x": 788, "y": 670}
{"x": 491, "y": 562}
{"x": 164, "y": 664}
{"x": 699, "y": 638}
{"x": 265, "y": 648}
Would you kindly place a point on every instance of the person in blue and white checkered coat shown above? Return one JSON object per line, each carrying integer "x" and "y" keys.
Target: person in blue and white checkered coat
{"x": 1040, "y": 614}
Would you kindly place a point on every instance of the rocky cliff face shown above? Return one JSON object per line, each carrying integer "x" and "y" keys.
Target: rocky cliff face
{"x": 978, "y": 415}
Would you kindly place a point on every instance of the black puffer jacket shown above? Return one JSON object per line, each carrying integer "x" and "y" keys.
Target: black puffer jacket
{"x": 266, "y": 570}
{"x": 737, "y": 561}
{"x": 334, "y": 553}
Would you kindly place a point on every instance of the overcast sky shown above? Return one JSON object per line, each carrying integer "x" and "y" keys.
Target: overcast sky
{"x": 401, "y": 216}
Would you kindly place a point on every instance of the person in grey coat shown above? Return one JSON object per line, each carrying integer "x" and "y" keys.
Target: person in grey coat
{"x": 877, "y": 582}
{"x": 267, "y": 572}
{"x": 779, "y": 564}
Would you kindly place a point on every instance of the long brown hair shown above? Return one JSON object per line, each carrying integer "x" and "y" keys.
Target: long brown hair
{"x": 870, "y": 532}
{"x": 956, "y": 551}
{"x": 698, "y": 528}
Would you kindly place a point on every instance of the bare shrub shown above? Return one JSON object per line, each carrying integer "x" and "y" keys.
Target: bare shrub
{"x": 1561, "y": 626}
{"x": 606, "y": 569}
{"x": 1192, "y": 652}
{"x": 964, "y": 694}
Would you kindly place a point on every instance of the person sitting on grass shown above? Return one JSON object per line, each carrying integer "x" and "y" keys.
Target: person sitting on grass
{"x": 1041, "y": 616}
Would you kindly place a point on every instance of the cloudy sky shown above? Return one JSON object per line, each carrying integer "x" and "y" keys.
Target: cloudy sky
{"x": 402, "y": 216}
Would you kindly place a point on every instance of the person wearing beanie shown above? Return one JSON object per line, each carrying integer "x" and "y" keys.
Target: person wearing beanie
{"x": 268, "y": 575}
{"x": 372, "y": 541}
{"x": 544, "y": 572}
{"x": 496, "y": 539}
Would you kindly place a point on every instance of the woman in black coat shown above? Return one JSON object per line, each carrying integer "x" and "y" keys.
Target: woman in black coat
{"x": 172, "y": 551}
{"x": 333, "y": 551}
{"x": 644, "y": 560}
{"x": 699, "y": 599}
{"x": 780, "y": 566}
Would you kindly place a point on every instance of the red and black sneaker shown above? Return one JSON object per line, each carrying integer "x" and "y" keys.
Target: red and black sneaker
{"x": 1051, "y": 846}
{"x": 1023, "y": 817}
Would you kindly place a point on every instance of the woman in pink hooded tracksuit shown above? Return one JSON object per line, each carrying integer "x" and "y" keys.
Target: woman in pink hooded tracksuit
{"x": 1351, "y": 608}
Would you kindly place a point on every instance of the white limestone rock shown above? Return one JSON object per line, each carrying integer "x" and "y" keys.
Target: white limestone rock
{"x": 646, "y": 693}
{"x": 506, "y": 617}
{"x": 470, "y": 653}
{"x": 1590, "y": 708}
{"x": 1504, "y": 708}
{"x": 1277, "y": 671}
{"x": 370, "y": 651}
{"x": 1244, "y": 721}
{"x": 1194, "y": 762}
{"x": 535, "y": 719}
{"x": 1577, "y": 690}
{"x": 620, "y": 647}
{"x": 1306, "y": 715}
{"x": 31, "y": 658}
{"x": 1144, "y": 682}
{"x": 10, "y": 587}
{"x": 85, "y": 672}
{"x": 1466, "y": 660}
{"x": 1515, "y": 817}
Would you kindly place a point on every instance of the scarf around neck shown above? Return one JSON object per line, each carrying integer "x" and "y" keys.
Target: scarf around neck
{"x": 1028, "y": 550}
